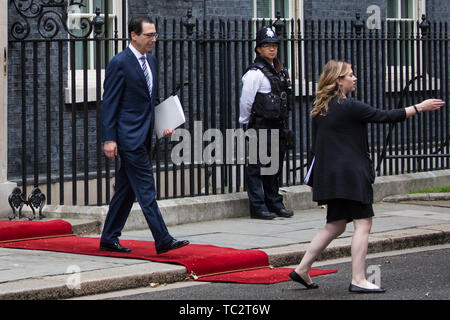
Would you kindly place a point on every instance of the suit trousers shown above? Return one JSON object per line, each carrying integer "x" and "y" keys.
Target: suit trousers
{"x": 135, "y": 180}
{"x": 263, "y": 190}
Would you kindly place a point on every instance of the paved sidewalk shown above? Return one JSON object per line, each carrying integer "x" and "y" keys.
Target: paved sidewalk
{"x": 28, "y": 274}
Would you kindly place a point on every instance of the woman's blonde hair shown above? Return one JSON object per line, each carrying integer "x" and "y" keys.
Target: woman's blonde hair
{"x": 328, "y": 87}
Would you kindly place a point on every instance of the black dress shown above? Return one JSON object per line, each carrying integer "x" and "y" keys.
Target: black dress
{"x": 342, "y": 168}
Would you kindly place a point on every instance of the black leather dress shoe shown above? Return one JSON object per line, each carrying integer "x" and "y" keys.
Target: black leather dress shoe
{"x": 356, "y": 289}
{"x": 284, "y": 213}
{"x": 115, "y": 247}
{"x": 264, "y": 215}
{"x": 296, "y": 277}
{"x": 172, "y": 245}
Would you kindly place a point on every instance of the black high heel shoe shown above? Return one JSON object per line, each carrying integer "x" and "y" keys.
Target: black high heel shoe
{"x": 296, "y": 277}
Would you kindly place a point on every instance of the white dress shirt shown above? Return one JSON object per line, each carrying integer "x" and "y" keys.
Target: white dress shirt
{"x": 138, "y": 56}
{"x": 253, "y": 81}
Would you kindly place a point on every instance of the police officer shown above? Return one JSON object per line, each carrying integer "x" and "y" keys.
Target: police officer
{"x": 264, "y": 105}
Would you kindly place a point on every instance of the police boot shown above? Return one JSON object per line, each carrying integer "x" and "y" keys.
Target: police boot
{"x": 284, "y": 213}
{"x": 264, "y": 215}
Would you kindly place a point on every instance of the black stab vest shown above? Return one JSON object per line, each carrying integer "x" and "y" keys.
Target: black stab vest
{"x": 270, "y": 110}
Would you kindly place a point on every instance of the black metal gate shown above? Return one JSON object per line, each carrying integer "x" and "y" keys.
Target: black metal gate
{"x": 55, "y": 82}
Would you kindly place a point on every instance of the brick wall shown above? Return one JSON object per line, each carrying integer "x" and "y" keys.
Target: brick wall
{"x": 344, "y": 10}
{"x": 200, "y": 9}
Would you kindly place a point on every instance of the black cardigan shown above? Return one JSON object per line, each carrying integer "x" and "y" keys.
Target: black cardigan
{"x": 342, "y": 169}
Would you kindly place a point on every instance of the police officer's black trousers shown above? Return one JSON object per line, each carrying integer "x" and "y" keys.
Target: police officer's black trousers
{"x": 263, "y": 190}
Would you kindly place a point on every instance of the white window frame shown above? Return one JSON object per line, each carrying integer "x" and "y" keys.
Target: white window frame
{"x": 117, "y": 11}
{"x": 397, "y": 20}
{"x": 295, "y": 12}
{"x": 419, "y": 8}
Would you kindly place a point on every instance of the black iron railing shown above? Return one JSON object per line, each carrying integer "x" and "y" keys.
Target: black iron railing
{"x": 56, "y": 90}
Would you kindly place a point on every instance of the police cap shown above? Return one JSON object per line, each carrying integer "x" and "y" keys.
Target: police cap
{"x": 266, "y": 34}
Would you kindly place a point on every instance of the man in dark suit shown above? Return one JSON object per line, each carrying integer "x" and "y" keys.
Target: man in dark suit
{"x": 130, "y": 95}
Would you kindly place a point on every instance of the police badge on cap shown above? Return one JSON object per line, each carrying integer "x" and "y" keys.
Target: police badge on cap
{"x": 270, "y": 33}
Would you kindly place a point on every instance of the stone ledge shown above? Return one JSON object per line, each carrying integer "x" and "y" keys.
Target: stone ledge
{"x": 419, "y": 197}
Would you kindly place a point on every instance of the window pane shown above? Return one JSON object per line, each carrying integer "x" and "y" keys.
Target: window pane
{"x": 264, "y": 9}
{"x": 283, "y": 7}
{"x": 79, "y": 63}
{"x": 392, "y": 48}
{"x": 111, "y": 6}
{"x": 392, "y": 9}
{"x": 97, "y": 4}
{"x": 101, "y": 4}
{"x": 85, "y": 8}
{"x": 407, "y": 9}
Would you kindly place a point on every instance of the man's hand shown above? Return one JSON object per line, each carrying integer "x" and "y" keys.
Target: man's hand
{"x": 110, "y": 149}
{"x": 168, "y": 133}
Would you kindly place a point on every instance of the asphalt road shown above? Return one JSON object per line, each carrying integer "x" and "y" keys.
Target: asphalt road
{"x": 422, "y": 275}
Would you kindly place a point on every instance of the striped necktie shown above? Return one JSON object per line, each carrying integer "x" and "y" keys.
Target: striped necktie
{"x": 146, "y": 74}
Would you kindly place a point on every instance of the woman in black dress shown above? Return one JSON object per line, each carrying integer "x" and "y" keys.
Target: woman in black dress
{"x": 342, "y": 174}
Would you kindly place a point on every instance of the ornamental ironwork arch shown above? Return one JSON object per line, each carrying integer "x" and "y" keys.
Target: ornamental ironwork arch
{"x": 51, "y": 17}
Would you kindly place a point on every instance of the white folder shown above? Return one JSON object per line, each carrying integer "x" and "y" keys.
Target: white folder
{"x": 168, "y": 115}
{"x": 308, "y": 175}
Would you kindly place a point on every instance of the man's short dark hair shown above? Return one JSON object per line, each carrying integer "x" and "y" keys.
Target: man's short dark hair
{"x": 135, "y": 25}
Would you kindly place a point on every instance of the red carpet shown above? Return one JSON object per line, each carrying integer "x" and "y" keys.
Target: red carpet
{"x": 17, "y": 230}
{"x": 204, "y": 262}
{"x": 261, "y": 276}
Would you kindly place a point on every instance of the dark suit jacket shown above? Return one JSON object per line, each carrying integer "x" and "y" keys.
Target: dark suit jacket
{"x": 339, "y": 143}
{"x": 128, "y": 110}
